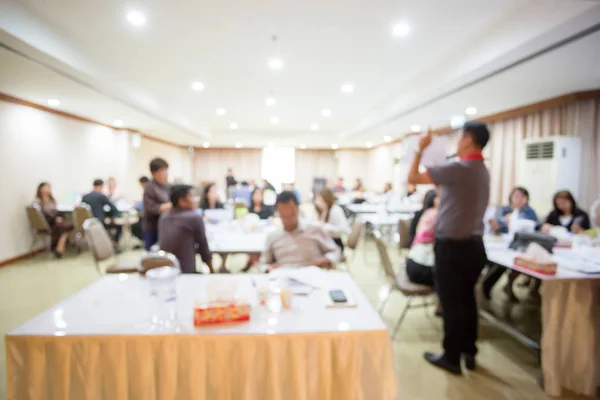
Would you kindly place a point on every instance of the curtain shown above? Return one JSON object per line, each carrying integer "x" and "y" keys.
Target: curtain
{"x": 312, "y": 164}
{"x": 503, "y": 153}
{"x": 212, "y": 164}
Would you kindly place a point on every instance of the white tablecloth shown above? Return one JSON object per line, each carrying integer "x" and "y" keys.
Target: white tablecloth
{"x": 98, "y": 344}
{"x": 570, "y": 322}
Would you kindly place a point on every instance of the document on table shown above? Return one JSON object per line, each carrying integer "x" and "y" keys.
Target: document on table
{"x": 585, "y": 260}
{"x": 304, "y": 279}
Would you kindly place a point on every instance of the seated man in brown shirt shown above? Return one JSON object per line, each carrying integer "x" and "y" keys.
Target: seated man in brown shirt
{"x": 181, "y": 230}
{"x": 299, "y": 244}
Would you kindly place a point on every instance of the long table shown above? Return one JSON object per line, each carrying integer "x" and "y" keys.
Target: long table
{"x": 99, "y": 344}
{"x": 570, "y": 345}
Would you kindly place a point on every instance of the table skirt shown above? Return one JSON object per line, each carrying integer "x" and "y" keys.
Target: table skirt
{"x": 357, "y": 365}
{"x": 571, "y": 336}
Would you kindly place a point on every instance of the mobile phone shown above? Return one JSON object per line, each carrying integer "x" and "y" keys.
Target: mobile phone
{"x": 337, "y": 296}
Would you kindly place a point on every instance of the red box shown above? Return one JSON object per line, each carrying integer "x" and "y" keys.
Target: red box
{"x": 540, "y": 268}
{"x": 216, "y": 313}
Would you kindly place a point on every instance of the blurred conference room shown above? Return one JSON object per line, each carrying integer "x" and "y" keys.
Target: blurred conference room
{"x": 333, "y": 200}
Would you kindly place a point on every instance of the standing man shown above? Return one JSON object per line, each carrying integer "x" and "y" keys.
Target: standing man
{"x": 229, "y": 182}
{"x": 459, "y": 251}
{"x": 156, "y": 200}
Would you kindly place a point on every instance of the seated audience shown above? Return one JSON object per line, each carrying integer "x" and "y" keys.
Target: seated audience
{"x": 566, "y": 214}
{"x": 242, "y": 194}
{"x": 258, "y": 207}
{"x": 181, "y": 230}
{"x": 595, "y": 214}
{"x": 358, "y": 186}
{"x": 292, "y": 188}
{"x": 103, "y": 208}
{"x": 518, "y": 202}
{"x": 210, "y": 198}
{"x": 421, "y": 257}
{"x": 59, "y": 226}
{"x": 339, "y": 186}
{"x": 331, "y": 216}
{"x": 112, "y": 191}
{"x": 156, "y": 200}
{"x": 299, "y": 243}
{"x": 428, "y": 202}
{"x": 267, "y": 186}
{"x": 136, "y": 229}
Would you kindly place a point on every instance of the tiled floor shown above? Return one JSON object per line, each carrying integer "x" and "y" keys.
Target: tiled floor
{"x": 507, "y": 370}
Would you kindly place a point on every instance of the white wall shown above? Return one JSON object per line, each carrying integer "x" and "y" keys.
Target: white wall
{"x": 38, "y": 146}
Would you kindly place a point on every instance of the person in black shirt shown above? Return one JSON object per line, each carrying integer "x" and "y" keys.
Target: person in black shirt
{"x": 210, "y": 198}
{"x": 566, "y": 214}
{"x": 103, "y": 208}
{"x": 258, "y": 207}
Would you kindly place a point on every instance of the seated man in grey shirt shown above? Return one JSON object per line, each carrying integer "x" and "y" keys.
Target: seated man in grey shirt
{"x": 299, "y": 244}
{"x": 181, "y": 230}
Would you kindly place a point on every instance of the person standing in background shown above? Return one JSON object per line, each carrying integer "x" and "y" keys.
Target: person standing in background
{"x": 464, "y": 188}
{"x": 229, "y": 182}
{"x": 156, "y": 200}
{"x": 136, "y": 229}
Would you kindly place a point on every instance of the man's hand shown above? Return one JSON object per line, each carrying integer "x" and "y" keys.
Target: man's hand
{"x": 494, "y": 225}
{"x": 425, "y": 140}
{"x": 164, "y": 207}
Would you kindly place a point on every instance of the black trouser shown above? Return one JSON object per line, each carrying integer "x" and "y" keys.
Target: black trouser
{"x": 458, "y": 264}
{"x": 419, "y": 273}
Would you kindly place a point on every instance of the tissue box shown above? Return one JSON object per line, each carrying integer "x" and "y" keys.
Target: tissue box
{"x": 548, "y": 268}
{"x": 216, "y": 313}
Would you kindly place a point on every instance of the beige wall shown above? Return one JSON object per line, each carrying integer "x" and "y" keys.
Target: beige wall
{"x": 38, "y": 146}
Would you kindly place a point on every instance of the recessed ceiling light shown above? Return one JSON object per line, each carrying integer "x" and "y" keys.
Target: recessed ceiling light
{"x": 335, "y": 146}
{"x": 347, "y": 88}
{"x": 53, "y": 102}
{"x": 198, "y": 86}
{"x": 314, "y": 127}
{"x": 275, "y": 63}
{"x": 458, "y": 121}
{"x": 206, "y": 145}
{"x": 369, "y": 145}
{"x": 238, "y": 145}
{"x": 221, "y": 112}
{"x": 326, "y": 112}
{"x": 136, "y": 18}
{"x": 302, "y": 146}
{"x": 274, "y": 120}
{"x": 233, "y": 125}
{"x": 415, "y": 128}
{"x": 270, "y": 101}
{"x": 471, "y": 111}
{"x": 400, "y": 29}
{"x": 387, "y": 139}
{"x": 118, "y": 123}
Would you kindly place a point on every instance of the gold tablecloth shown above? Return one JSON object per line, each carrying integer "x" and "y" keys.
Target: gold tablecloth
{"x": 356, "y": 365}
{"x": 571, "y": 336}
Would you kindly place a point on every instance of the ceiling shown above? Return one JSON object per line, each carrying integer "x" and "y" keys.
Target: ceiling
{"x": 457, "y": 54}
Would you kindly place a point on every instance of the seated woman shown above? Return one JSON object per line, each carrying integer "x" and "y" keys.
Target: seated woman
{"x": 421, "y": 257}
{"x": 59, "y": 226}
{"x": 332, "y": 216}
{"x": 258, "y": 207}
{"x": 428, "y": 202}
{"x": 210, "y": 198}
{"x": 566, "y": 214}
{"x": 518, "y": 202}
{"x": 358, "y": 186}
